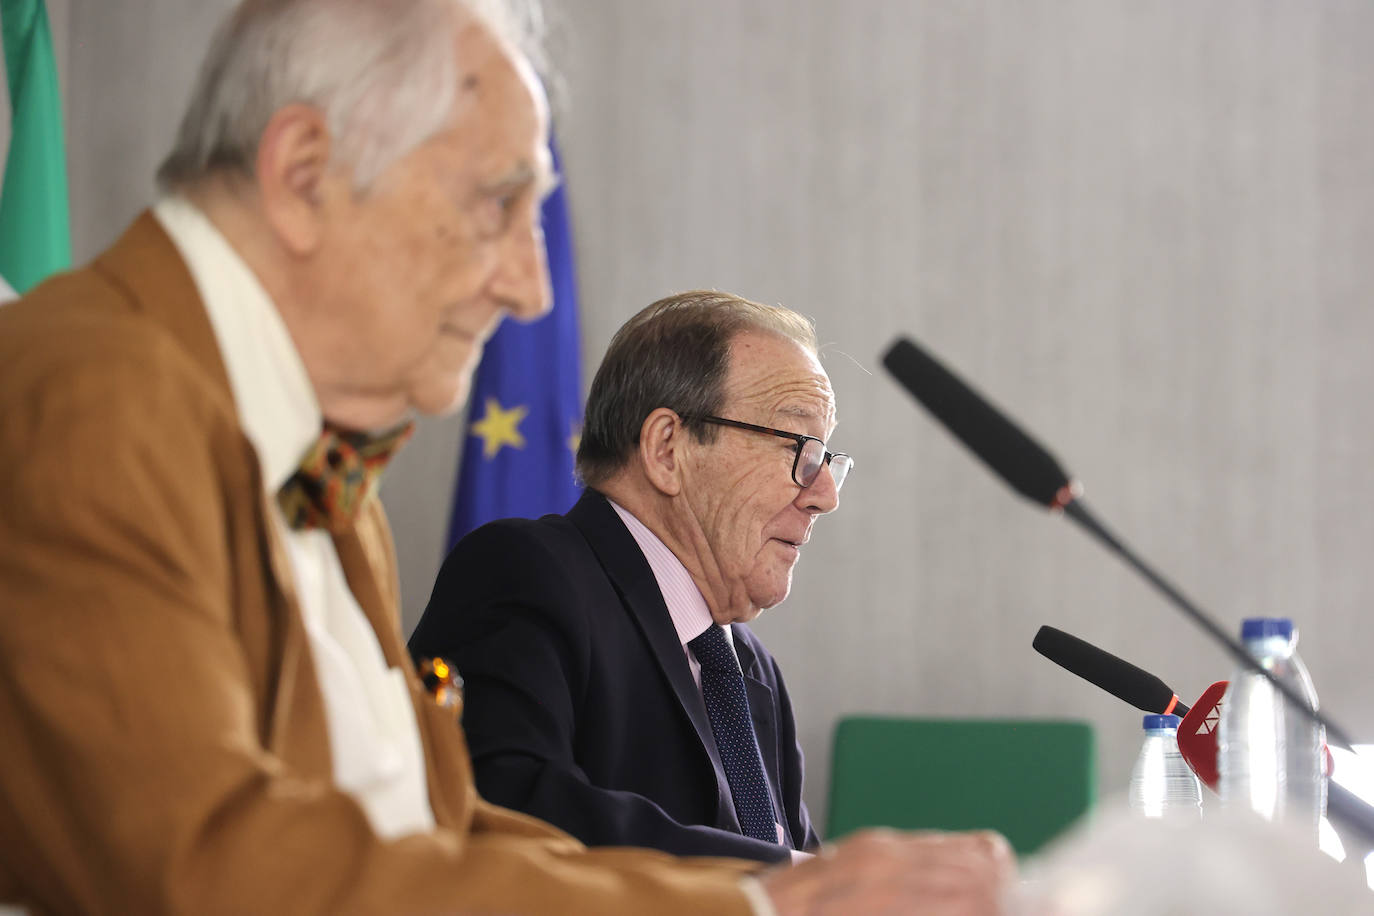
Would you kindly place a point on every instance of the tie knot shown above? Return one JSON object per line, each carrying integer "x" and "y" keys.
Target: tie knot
{"x": 712, "y": 650}
{"x": 337, "y": 477}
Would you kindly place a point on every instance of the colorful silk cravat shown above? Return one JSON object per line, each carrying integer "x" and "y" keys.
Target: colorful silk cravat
{"x": 337, "y": 477}
{"x": 727, "y": 706}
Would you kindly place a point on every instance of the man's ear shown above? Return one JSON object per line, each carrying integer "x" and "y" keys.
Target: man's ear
{"x": 662, "y": 441}
{"x": 292, "y": 168}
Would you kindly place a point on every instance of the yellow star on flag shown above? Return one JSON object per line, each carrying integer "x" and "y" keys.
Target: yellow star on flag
{"x": 575, "y": 439}
{"x": 500, "y": 427}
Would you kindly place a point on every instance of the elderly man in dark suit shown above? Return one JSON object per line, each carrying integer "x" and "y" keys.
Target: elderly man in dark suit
{"x": 588, "y": 641}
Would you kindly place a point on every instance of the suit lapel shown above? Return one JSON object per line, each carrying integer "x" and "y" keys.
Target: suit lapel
{"x": 367, "y": 564}
{"x": 633, "y": 578}
{"x": 297, "y": 668}
{"x": 145, "y": 264}
{"x": 367, "y": 556}
{"x": 765, "y": 726}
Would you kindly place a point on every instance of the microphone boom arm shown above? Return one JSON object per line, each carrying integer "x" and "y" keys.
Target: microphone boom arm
{"x": 1078, "y": 511}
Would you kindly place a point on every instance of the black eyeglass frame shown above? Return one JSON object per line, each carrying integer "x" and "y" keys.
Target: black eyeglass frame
{"x": 800, "y": 438}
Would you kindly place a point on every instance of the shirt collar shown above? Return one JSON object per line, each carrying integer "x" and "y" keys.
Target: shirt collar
{"x": 686, "y": 606}
{"x": 272, "y": 391}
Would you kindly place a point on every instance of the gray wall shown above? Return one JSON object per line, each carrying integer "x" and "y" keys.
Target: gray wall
{"x": 1142, "y": 228}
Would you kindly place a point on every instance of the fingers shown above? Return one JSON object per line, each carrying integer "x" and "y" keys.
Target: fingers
{"x": 883, "y": 871}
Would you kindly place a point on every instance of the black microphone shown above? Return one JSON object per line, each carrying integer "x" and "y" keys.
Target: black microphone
{"x": 1032, "y": 471}
{"x": 1117, "y": 676}
{"x": 999, "y": 443}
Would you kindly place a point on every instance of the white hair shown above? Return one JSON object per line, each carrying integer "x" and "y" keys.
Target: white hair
{"x": 383, "y": 73}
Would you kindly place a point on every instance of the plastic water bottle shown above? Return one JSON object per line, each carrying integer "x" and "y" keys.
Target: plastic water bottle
{"x": 1162, "y": 785}
{"x": 1271, "y": 758}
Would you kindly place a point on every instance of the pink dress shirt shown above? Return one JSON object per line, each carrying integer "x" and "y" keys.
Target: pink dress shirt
{"x": 686, "y": 606}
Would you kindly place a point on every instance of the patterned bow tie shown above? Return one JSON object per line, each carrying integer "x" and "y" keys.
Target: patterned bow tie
{"x": 337, "y": 477}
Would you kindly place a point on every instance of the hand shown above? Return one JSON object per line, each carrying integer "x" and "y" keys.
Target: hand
{"x": 883, "y": 871}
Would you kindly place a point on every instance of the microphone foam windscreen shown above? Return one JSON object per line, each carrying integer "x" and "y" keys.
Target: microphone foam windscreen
{"x": 1120, "y": 678}
{"x": 1019, "y": 460}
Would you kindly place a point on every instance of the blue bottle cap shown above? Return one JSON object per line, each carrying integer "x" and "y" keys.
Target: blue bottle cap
{"x": 1264, "y": 627}
{"x": 1170, "y": 721}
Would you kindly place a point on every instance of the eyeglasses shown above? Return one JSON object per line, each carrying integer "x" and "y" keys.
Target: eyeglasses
{"x": 811, "y": 453}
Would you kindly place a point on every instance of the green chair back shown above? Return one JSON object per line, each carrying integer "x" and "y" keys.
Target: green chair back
{"x": 1028, "y": 779}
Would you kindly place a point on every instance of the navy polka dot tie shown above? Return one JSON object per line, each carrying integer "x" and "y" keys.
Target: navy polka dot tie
{"x": 727, "y": 706}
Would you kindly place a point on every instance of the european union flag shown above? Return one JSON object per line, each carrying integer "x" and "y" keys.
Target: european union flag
{"x": 525, "y": 414}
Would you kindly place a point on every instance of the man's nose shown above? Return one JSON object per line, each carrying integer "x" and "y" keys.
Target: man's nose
{"x": 822, "y": 496}
{"x": 521, "y": 282}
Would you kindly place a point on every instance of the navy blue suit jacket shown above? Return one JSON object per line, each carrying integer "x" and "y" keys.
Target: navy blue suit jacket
{"x": 580, "y": 708}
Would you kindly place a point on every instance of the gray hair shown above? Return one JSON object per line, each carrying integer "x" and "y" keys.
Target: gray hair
{"x": 674, "y": 354}
{"x": 383, "y": 72}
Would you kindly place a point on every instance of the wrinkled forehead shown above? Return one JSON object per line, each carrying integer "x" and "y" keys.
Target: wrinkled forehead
{"x": 478, "y": 38}
{"x": 776, "y": 377}
{"x": 491, "y": 68}
{"x": 502, "y": 101}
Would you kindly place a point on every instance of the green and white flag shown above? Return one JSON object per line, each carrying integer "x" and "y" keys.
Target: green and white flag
{"x": 35, "y": 240}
